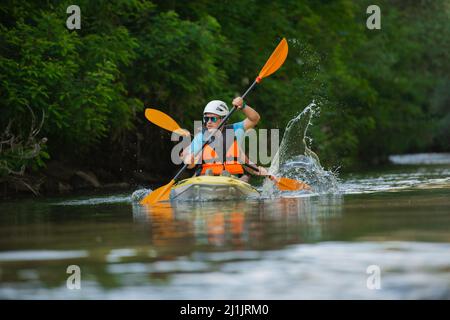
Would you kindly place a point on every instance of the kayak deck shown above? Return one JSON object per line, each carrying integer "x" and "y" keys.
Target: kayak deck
{"x": 212, "y": 188}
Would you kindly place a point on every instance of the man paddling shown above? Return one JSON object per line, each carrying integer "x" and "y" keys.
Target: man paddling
{"x": 222, "y": 156}
{"x": 274, "y": 62}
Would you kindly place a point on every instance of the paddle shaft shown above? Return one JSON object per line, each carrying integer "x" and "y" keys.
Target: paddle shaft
{"x": 254, "y": 167}
{"x": 210, "y": 136}
{"x": 251, "y": 166}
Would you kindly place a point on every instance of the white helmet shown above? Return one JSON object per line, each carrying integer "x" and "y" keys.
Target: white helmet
{"x": 217, "y": 107}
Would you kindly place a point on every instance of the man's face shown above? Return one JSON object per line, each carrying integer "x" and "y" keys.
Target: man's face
{"x": 210, "y": 118}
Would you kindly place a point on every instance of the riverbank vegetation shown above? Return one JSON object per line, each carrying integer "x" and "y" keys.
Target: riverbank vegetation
{"x": 72, "y": 100}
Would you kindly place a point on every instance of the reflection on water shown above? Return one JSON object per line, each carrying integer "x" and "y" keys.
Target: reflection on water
{"x": 291, "y": 247}
{"x": 421, "y": 158}
{"x": 396, "y": 179}
{"x": 239, "y": 223}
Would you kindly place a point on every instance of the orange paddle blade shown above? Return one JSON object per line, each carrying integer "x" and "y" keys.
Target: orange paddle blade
{"x": 286, "y": 184}
{"x": 164, "y": 121}
{"x": 275, "y": 61}
{"x": 182, "y": 132}
{"x": 160, "y": 194}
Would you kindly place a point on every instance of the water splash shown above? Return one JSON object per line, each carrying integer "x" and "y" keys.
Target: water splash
{"x": 296, "y": 160}
{"x": 119, "y": 198}
{"x": 139, "y": 194}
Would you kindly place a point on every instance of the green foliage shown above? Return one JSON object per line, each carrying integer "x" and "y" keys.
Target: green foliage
{"x": 380, "y": 91}
{"x": 74, "y": 79}
{"x": 20, "y": 150}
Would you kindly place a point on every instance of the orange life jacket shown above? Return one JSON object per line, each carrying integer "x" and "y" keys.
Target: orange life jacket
{"x": 210, "y": 159}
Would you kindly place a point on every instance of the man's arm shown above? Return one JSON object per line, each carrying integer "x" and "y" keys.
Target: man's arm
{"x": 189, "y": 152}
{"x": 188, "y": 158}
{"x": 249, "y": 166}
{"x": 252, "y": 116}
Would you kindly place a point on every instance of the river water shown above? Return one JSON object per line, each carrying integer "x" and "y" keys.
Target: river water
{"x": 383, "y": 235}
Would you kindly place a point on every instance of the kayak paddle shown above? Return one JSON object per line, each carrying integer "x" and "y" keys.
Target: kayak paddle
{"x": 166, "y": 122}
{"x": 274, "y": 62}
{"x": 284, "y": 184}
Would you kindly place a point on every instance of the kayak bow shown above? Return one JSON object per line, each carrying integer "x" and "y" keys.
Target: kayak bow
{"x": 212, "y": 188}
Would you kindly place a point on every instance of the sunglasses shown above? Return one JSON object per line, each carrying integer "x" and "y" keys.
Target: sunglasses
{"x": 213, "y": 119}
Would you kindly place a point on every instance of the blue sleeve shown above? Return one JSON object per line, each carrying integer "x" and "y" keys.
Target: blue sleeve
{"x": 239, "y": 130}
{"x": 196, "y": 144}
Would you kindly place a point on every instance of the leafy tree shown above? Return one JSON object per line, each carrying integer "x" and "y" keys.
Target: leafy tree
{"x": 380, "y": 91}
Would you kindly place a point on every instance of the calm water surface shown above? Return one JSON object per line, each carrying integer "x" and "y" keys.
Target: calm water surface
{"x": 316, "y": 247}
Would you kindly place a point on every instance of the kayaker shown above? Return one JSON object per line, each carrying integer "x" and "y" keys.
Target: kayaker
{"x": 222, "y": 156}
